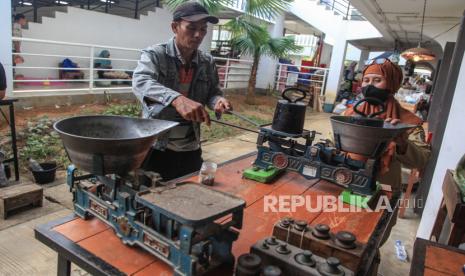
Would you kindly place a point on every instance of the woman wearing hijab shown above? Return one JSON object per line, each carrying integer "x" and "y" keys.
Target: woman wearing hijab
{"x": 381, "y": 80}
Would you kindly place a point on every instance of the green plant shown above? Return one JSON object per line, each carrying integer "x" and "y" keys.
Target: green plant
{"x": 42, "y": 143}
{"x": 131, "y": 110}
{"x": 253, "y": 39}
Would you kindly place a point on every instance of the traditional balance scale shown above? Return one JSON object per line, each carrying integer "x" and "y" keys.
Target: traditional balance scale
{"x": 179, "y": 228}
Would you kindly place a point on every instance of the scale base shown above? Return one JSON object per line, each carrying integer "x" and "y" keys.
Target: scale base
{"x": 261, "y": 175}
{"x": 362, "y": 201}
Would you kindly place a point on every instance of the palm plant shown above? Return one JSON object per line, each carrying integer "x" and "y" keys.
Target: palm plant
{"x": 253, "y": 39}
{"x": 249, "y": 36}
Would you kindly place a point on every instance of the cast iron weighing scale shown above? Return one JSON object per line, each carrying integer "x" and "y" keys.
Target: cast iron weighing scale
{"x": 177, "y": 222}
{"x": 287, "y": 146}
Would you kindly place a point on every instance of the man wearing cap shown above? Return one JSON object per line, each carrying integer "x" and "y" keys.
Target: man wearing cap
{"x": 175, "y": 81}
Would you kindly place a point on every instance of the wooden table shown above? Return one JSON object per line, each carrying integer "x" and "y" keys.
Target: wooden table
{"x": 93, "y": 246}
{"x": 431, "y": 258}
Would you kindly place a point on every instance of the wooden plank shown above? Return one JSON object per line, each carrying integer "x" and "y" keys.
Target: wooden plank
{"x": 439, "y": 222}
{"x": 155, "y": 268}
{"x": 15, "y": 190}
{"x": 361, "y": 223}
{"x": 432, "y": 272}
{"x": 444, "y": 260}
{"x": 108, "y": 247}
{"x": 453, "y": 200}
{"x": 79, "y": 229}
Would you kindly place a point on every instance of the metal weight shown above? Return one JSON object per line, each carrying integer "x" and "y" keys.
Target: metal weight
{"x": 289, "y": 115}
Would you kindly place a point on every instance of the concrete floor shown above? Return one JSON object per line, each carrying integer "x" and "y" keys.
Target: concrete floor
{"x": 21, "y": 254}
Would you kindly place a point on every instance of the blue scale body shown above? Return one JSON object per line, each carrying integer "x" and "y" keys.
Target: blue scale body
{"x": 172, "y": 241}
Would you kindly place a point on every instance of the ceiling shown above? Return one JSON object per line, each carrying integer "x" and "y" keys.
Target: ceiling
{"x": 294, "y": 25}
{"x": 400, "y": 20}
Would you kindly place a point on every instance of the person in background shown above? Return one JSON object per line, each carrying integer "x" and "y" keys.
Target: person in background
{"x": 175, "y": 81}
{"x": 381, "y": 80}
{"x": 19, "y": 22}
{"x": 103, "y": 63}
{"x": 2, "y": 82}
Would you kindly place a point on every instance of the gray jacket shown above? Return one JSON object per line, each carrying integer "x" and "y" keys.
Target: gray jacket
{"x": 156, "y": 82}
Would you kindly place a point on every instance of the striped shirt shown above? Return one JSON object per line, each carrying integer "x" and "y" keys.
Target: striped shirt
{"x": 182, "y": 137}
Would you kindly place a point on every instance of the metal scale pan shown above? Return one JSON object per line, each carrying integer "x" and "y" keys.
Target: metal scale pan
{"x": 365, "y": 134}
{"x": 365, "y": 140}
{"x": 104, "y": 144}
{"x": 190, "y": 203}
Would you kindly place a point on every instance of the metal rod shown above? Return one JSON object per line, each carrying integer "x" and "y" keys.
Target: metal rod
{"x": 231, "y": 125}
{"x": 136, "y": 10}
{"x": 34, "y": 4}
{"x": 242, "y": 117}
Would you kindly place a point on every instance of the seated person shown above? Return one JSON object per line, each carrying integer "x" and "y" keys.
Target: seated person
{"x": 69, "y": 71}
{"x": 105, "y": 63}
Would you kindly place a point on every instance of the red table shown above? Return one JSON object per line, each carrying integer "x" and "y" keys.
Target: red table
{"x": 77, "y": 240}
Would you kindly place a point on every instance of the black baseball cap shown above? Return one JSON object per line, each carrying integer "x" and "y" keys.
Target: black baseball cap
{"x": 193, "y": 12}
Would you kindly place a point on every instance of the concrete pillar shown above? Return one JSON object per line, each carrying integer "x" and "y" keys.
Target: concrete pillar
{"x": 5, "y": 43}
{"x": 267, "y": 66}
{"x": 336, "y": 68}
{"x": 452, "y": 149}
{"x": 326, "y": 54}
{"x": 363, "y": 57}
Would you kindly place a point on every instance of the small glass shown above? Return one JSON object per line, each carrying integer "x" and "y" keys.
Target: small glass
{"x": 207, "y": 173}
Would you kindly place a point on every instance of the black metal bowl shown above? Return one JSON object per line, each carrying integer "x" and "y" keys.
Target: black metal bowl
{"x": 104, "y": 144}
{"x": 370, "y": 141}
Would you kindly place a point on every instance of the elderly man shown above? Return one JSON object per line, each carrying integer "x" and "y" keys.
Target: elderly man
{"x": 174, "y": 81}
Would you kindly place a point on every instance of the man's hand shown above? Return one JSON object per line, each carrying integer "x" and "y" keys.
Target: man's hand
{"x": 191, "y": 110}
{"x": 401, "y": 140}
{"x": 222, "y": 105}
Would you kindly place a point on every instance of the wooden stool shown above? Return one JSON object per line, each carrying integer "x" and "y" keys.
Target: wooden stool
{"x": 452, "y": 209}
{"x": 413, "y": 178}
{"x": 18, "y": 196}
{"x": 431, "y": 258}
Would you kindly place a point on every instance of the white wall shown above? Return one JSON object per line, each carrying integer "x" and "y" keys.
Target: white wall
{"x": 338, "y": 32}
{"x": 353, "y": 53}
{"x": 452, "y": 149}
{"x": 5, "y": 42}
{"x": 326, "y": 54}
{"x": 267, "y": 66}
{"x": 83, "y": 26}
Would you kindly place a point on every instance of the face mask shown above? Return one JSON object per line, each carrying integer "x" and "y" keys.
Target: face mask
{"x": 371, "y": 91}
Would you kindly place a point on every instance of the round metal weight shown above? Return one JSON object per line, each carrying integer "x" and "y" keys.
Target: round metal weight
{"x": 248, "y": 265}
{"x": 346, "y": 239}
{"x": 271, "y": 241}
{"x": 305, "y": 258}
{"x": 300, "y": 225}
{"x": 331, "y": 267}
{"x": 282, "y": 249}
{"x": 321, "y": 231}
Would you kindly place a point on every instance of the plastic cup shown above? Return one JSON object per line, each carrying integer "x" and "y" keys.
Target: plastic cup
{"x": 207, "y": 173}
